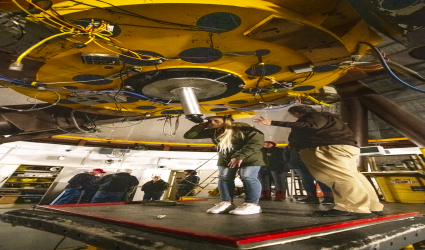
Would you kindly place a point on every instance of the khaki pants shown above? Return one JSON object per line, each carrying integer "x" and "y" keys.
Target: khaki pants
{"x": 336, "y": 166}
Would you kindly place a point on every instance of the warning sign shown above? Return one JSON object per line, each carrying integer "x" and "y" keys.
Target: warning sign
{"x": 417, "y": 188}
{"x": 403, "y": 181}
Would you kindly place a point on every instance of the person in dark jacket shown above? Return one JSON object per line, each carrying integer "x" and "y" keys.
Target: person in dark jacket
{"x": 89, "y": 194}
{"x": 154, "y": 189}
{"x": 185, "y": 186}
{"x": 239, "y": 146}
{"x": 326, "y": 147}
{"x": 76, "y": 185}
{"x": 276, "y": 169}
{"x": 112, "y": 187}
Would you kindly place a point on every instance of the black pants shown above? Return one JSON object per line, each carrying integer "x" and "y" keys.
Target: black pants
{"x": 182, "y": 192}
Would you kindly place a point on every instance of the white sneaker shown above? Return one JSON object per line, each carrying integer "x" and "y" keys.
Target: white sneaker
{"x": 221, "y": 208}
{"x": 247, "y": 208}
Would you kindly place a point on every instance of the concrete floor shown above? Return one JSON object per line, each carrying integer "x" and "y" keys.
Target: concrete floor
{"x": 24, "y": 238}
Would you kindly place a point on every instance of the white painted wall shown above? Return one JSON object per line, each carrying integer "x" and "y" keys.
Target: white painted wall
{"x": 88, "y": 157}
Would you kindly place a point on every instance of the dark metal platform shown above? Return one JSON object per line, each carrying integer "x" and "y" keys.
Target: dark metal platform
{"x": 281, "y": 225}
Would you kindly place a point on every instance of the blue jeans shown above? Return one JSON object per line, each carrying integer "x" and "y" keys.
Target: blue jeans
{"x": 280, "y": 180}
{"x": 68, "y": 196}
{"x": 106, "y": 197}
{"x": 251, "y": 184}
{"x": 307, "y": 179}
{"x": 153, "y": 196}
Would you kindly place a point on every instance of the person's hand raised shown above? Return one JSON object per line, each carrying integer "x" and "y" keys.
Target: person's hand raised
{"x": 203, "y": 124}
{"x": 263, "y": 121}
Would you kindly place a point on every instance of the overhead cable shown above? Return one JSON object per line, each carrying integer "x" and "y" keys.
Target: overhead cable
{"x": 389, "y": 71}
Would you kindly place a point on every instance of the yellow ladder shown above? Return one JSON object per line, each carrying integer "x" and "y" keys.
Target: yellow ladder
{"x": 204, "y": 182}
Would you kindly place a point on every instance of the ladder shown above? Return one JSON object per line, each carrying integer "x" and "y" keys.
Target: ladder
{"x": 202, "y": 186}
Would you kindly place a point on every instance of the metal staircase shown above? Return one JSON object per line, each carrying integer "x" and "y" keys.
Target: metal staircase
{"x": 204, "y": 184}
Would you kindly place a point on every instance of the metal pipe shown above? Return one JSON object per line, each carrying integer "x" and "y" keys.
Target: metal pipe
{"x": 355, "y": 115}
{"x": 189, "y": 103}
{"x": 404, "y": 122}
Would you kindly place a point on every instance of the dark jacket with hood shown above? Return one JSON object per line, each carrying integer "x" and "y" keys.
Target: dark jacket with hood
{"x": 248, "y": 148}
{"x": 118, "y": 182}
{"x": 318, "y": 129}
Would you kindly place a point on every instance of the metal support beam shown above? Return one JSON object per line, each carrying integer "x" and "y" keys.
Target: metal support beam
{"x": 355, "y": 115}
{"x": 404, "y": 122}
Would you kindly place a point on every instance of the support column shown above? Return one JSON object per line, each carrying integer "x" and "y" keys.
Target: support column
{"x": 355, "y": 115}
{"x": 401, "y": 120}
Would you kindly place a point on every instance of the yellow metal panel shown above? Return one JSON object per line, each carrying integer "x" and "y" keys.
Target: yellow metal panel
{"x": 62, "y": 62}
{"x": 401, "y": 188}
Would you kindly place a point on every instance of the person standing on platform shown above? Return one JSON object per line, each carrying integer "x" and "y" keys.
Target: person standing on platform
{"x": 239, "y": 146}
{"x": 330, "y": 153}
{"x": 308, "y": 181}
{"x": 154, "y": 189}
{"x": 112, "y": 187}
{"x": 185, "y": 186}
{"x": 277, "y": 169}
{"x": 76, "y": 185}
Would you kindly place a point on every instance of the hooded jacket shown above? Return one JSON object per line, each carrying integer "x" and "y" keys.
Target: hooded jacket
{"x": 248, "y": 148}
{"x": 318, "y": 129}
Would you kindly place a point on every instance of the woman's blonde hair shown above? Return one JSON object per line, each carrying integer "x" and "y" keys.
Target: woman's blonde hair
{"x": 226, "y": 133}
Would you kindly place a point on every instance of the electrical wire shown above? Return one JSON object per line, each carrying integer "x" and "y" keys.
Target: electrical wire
{"x": 32, "y": 17}
{"x": 56, "y": 247}
{"x": 389, "y": 71}
{"x": 19, "y": 59}
{"x": 33, "y": 107}
{"x": 154, "y": 27}
{"x": 23, "y": 84}
{"x": 131, "y": 124}
{"x": 139, "y": 56}
{"x": 338, "y": 71}
{"x": 55, "y": 122}
{"x": 316, "y": 101}
{"x": 171, "y": 131}
{"x": 92, "y": 121}
{"x": 17, "y": 39}
{"x": 310, "y": 74}
{"x": 76, "y": 124}
{"x": 68, "y": 28}
{"x": 125, "y": 12}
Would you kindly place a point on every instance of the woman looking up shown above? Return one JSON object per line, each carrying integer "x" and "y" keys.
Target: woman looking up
{"x": 239, "y": 146}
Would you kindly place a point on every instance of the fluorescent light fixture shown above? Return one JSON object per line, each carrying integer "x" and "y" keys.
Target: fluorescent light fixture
{"x": 374, "y": 150}
{"x": 61, "y": 158}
